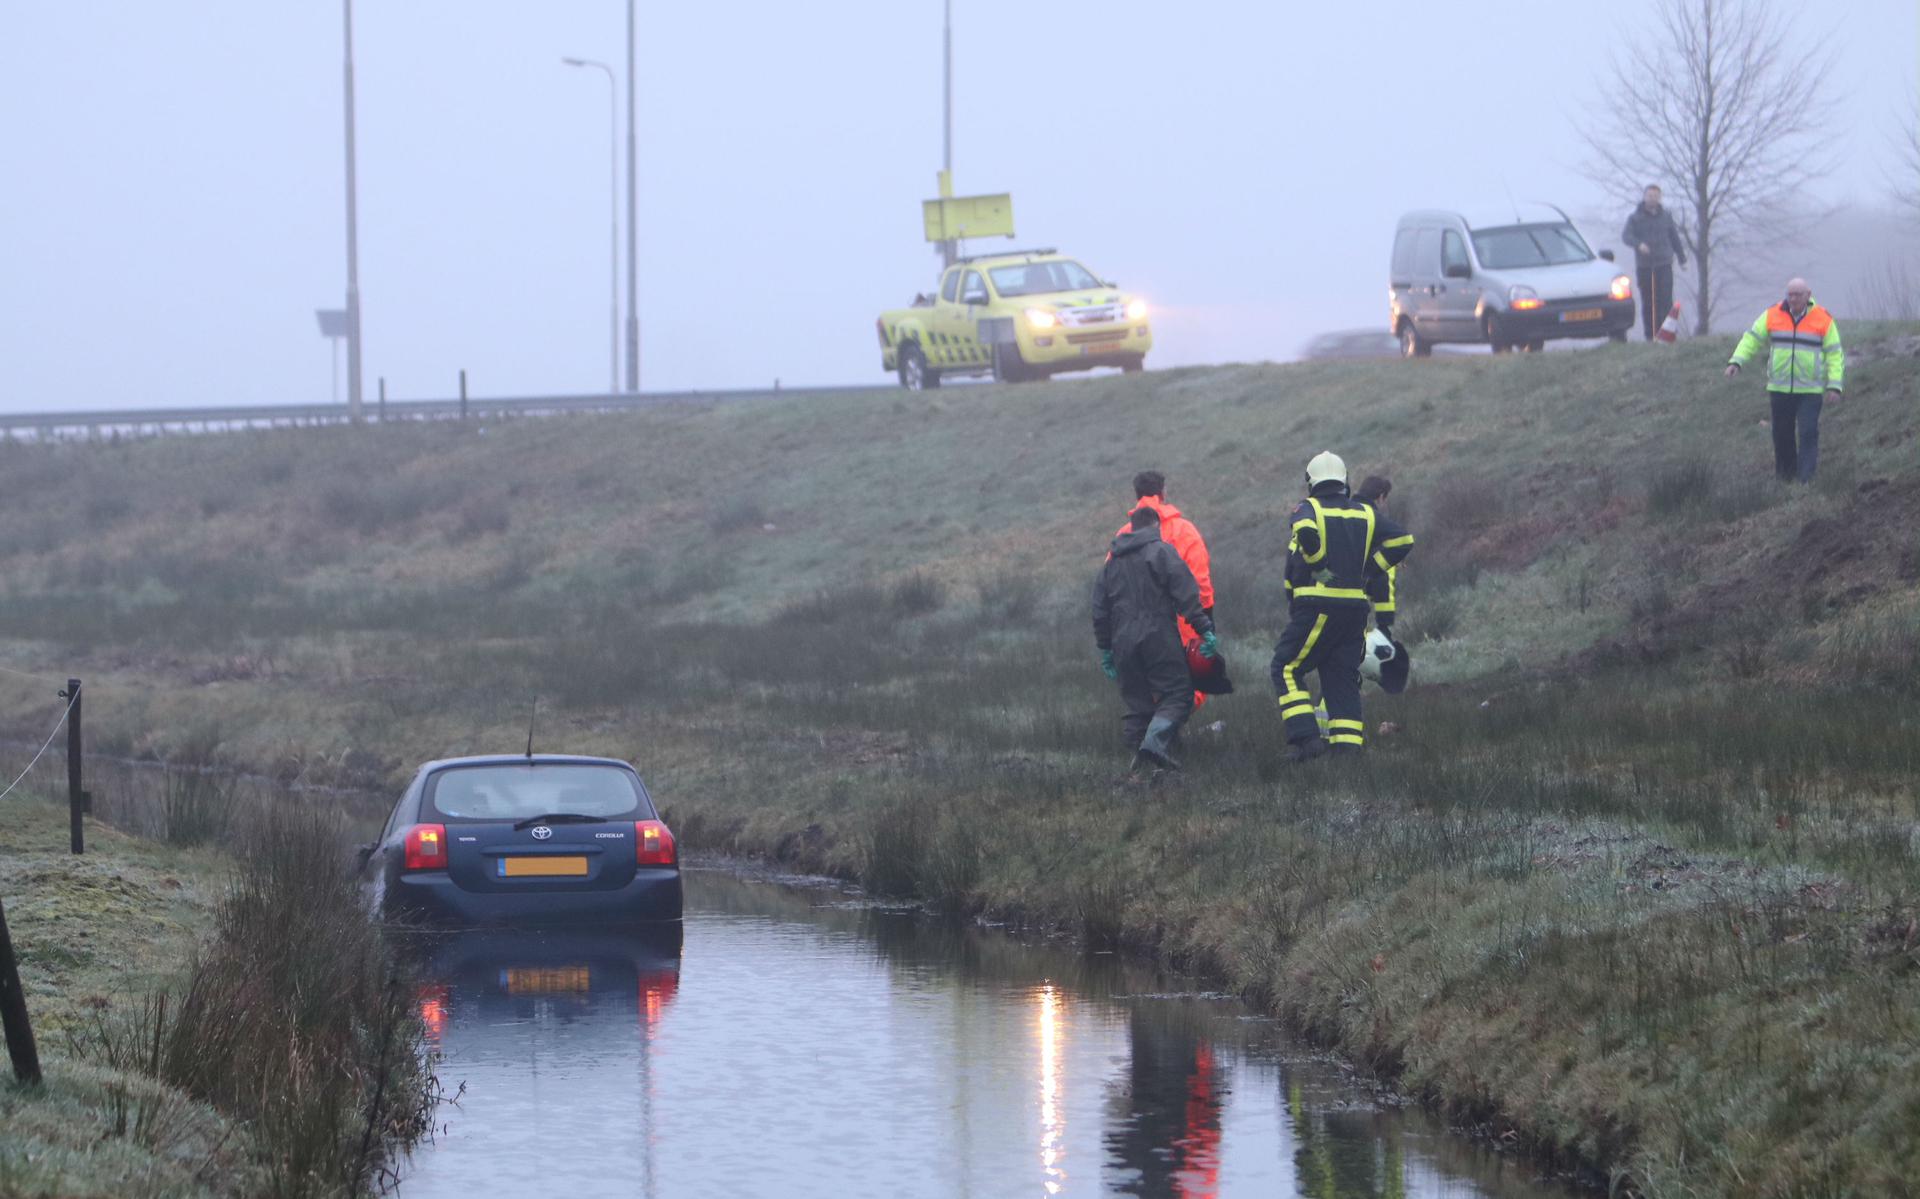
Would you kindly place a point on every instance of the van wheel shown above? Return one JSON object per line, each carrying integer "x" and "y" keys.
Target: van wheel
{"x": 1412, "y": 345}
{"x": 1134, "y": 365}
{"x": 915, "y": 374}
{"x": 1008, "y": 366}
{"x": 1495, "y": 338}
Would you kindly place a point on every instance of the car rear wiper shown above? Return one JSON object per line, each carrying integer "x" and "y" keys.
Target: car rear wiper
{"x": 560, "y": 818}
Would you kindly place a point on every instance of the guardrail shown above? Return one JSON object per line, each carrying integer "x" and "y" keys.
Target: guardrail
{"x": 161, "y": 420}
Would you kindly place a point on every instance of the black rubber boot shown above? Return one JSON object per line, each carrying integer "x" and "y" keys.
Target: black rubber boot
{"x": 1305, "y": 751}
{"x": 1157, "y": 745}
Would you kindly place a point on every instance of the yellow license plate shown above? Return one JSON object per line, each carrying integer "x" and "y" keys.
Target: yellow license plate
{"x": 1582, "y": 314}
{"x": 561, "y": 980}
{"x": 550, "y": 867}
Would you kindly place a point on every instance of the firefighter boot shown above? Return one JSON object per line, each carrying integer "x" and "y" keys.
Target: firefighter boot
{"x": 1157, "y": 745}
{"x": 1305, "y": 751}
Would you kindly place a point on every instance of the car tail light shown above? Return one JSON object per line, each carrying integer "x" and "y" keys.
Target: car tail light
{"x": 653, "y": 843}
{"x": 1622, "y": 288}
{"x": 427, "y": 847}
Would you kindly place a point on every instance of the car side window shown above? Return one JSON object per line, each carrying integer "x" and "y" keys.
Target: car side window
{"x": 950, "y": 285}
{"x": 975, "y": 290}
{"x": 1426, "y": 254}
{"x": 1453, "y": 251}
{"x": 1403, "y": 255}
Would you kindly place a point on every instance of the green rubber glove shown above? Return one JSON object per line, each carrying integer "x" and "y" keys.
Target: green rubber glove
{"x": 1106, "y": 664}
{"x": 1209, "y": 645}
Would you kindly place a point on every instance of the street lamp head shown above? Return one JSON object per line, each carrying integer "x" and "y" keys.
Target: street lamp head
{"x": 574, "y": 62}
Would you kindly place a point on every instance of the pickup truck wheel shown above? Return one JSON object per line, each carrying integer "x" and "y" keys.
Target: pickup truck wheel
{"x": 915, "y": 374}
{"x": 1008, "y": 366}
{"x": 1536, "y": 345}
{"x": 1133, "y": 366}
{"x": 1412, "y": 345}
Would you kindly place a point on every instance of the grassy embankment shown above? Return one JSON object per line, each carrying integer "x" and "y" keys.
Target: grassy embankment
{"x": 206, "y": 1025}
{"x": 1637, "y": 882}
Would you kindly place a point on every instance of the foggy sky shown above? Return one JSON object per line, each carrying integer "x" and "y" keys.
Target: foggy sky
{"x": 171, "y": 175}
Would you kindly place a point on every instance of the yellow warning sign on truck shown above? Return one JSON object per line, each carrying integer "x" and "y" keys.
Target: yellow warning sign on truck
{"x": 951, "y": 218}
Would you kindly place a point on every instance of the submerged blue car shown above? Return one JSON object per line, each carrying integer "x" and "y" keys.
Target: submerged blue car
{"x": 523, "y": 840}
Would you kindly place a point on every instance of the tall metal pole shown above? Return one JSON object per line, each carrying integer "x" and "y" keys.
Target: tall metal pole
{"x": 353, "y": 240}
{"x": 613, "y": 218}
{"x": 633, "y": 227}
{"x": 947, "y": 249}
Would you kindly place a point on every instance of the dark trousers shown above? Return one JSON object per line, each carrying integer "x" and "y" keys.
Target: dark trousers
{"x": 1153, "y": 683}
{"x": 1796, "y": 417}
{"x": 1656, "y": 295}
{"x": 1329, "y": 641}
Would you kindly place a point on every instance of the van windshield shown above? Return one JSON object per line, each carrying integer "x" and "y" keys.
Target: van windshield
{"x": 1511, "y": 246}
{"x": 517, "y": 792}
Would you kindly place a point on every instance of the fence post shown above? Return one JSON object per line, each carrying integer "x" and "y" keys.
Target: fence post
{"x": 76, "y": 796}
{"x": 463, "y": 393}
{"x": 13, "y": 1012}
{"x": 383, "y": 398}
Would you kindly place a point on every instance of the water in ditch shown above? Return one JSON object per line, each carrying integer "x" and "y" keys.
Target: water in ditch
{"x": 803, "y": 1044}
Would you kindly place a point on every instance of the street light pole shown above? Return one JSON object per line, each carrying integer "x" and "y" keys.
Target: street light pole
{"x": 633, "y": 228}
{"x": 613, "y": 218}
{"x": 948, "y": 249}
{"x": 353, "y": 238}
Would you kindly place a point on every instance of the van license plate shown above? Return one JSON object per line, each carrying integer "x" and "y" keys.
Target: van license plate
{"x": 1582, "y": 314}
{"x": 548, "y": 867}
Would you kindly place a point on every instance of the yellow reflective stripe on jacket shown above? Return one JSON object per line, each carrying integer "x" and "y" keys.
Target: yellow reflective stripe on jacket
{"x": 1319, "y": 525}
{"x": 1396, "y": 542}
{"x": 1316, "y": 591}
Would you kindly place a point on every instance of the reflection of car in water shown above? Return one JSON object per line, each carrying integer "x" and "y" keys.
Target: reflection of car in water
{"x": 525, "y": 840}
{"x": 481, "y": 977}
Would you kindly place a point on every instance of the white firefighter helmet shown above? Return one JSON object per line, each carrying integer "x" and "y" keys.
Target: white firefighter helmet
{"x": 1325, "y": 465}
{"x": 1386, "y": 662}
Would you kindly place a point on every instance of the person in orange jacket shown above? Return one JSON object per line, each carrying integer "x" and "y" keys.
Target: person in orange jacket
{"x": 1150, "y": 491}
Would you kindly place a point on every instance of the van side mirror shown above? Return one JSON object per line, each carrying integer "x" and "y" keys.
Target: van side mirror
{"x": 1607, "y": 255}
{"x": 1457, "y": 270}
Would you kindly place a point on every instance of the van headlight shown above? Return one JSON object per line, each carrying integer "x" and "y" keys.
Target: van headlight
{"x": 1042, "y": 318}
{"x": 1136, "y": 310}
{"x": 1523, "y": 298}
{"x": 1622, "y": 288}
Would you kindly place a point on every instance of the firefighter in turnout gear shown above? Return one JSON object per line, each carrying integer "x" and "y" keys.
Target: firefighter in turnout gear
{"x": 1339, "y": 546}
{"x": 1141, "y": 592}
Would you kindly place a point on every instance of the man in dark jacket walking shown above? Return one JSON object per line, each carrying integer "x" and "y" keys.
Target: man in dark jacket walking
{"x": 1656, "y": 242}
{"x": 1140, "y": 591}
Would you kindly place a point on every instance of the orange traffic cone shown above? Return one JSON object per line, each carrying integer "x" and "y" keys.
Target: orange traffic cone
{"x": 1670, "y": 328}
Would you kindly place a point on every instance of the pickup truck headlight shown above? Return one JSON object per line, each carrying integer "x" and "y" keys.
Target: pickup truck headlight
{"x": 1136, "y": 310}
{"x": 1523, "y": 298}
{"x": 1042, "y": 318}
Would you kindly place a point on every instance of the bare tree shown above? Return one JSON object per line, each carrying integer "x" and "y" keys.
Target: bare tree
{"x": 1724, "y": 103}
{"x": 1906, "y": 169}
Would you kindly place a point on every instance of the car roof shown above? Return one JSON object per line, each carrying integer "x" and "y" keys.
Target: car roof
{"x": 1017, "y": 256}
{"x": 1487, "y": 216}
{"x": 523, "y": 760}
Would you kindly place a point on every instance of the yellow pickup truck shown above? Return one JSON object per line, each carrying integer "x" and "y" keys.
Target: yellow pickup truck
{"x": 1019, "y": 316}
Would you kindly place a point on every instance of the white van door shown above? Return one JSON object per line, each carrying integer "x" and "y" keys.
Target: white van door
{"x": 1459, "y": 295}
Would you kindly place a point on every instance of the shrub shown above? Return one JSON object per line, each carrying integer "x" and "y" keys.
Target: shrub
{"x": 917, "y": 595}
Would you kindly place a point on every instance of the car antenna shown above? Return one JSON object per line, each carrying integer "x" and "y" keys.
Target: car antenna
{"x": 1508, "y": 188}
{"x": 535, "y": 711}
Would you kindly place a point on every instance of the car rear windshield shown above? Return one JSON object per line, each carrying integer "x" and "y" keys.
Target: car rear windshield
{"x": 1511, "y": 246}
{"x": 510, "y": 792}
{"x": 1037, "y": 278}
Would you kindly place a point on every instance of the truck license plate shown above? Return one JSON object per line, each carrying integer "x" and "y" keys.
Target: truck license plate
{"x": 1582, "y": 314}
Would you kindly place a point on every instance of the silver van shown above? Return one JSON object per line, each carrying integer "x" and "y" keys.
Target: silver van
{"x": 1514, "y": 280}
